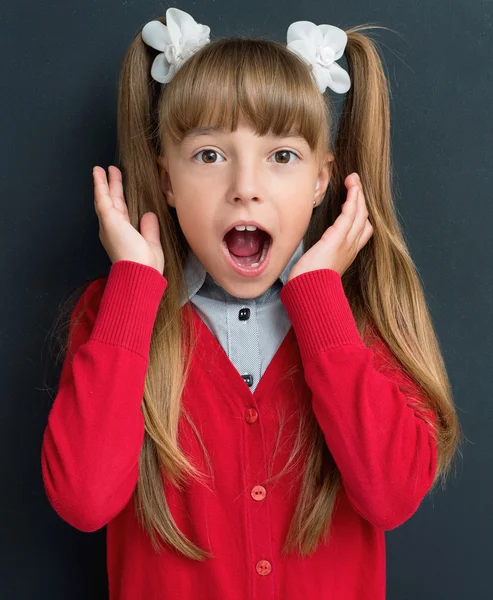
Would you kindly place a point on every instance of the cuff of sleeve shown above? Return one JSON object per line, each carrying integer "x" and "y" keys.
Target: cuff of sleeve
{"x": 319, "y": 312}
{"x": 129, "y": 305}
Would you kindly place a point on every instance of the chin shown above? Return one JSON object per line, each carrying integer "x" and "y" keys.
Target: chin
{"x": 247, "y": 290}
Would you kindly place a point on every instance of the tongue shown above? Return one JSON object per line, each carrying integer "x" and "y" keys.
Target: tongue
{"x": 245, "y": 243}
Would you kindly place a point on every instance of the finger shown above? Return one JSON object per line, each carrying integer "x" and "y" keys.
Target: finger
{"x": 149, "y": 228}
{"x": 359, "y": 220}
{"x": 102, "y": 199}
{"x": 352, "y": 179}
{"x": 116, "y": 189}
{"x": 345, "y": 220}
{"x": 366, "y": 235}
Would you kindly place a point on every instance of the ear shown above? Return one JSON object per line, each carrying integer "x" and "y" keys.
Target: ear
{"x": 323, "y": 178}
{"x": 165, "y": 180}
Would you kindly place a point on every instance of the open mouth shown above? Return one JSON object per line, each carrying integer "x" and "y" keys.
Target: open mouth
{"x": 247, "y": 246}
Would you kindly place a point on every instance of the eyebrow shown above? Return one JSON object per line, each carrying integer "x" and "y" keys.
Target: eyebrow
{"x": 201, "y": 131}
{"x": 193, "y": 133}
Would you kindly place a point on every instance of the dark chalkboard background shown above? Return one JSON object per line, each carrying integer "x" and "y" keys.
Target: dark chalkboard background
{"x": 59, "y": 63}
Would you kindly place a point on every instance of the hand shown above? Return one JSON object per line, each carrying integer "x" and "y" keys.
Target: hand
{"x": 119, "y": 237}
{"x": 341, "y": 242}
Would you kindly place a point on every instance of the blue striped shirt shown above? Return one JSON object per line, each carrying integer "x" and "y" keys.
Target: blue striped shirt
{"x": 250, "y": 330}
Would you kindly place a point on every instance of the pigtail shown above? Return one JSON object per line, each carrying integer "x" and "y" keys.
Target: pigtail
{"x": 363, "y": 137}
{"x": 382, "y": 285}
{"x": 138, "y": 136}
{"x": 139, "y": 147}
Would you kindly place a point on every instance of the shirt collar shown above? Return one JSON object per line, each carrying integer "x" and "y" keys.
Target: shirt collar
{"x": 195, "y": 275}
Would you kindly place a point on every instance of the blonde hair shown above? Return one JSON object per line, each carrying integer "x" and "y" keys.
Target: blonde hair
{"x": 275, "y": 92}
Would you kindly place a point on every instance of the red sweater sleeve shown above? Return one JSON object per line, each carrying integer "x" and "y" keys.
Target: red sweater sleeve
{"x": 95, "y": 430}
{"x": 382, "y": 445}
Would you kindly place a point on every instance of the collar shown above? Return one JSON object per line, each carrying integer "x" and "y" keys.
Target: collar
{"x": 196, "y": 276}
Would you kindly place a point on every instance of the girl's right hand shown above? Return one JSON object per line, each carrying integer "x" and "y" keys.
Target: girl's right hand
{"x": 119, "y": 237}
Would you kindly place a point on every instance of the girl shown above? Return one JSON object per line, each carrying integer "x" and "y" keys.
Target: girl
{"x": 255, "y": 393}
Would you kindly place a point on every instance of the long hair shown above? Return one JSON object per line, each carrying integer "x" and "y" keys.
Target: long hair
{"x": 273, "y": 89}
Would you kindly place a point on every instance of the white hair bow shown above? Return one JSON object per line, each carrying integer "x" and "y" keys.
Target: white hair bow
{"x": 321, "y": 46}
{"x": 177, "y": 41}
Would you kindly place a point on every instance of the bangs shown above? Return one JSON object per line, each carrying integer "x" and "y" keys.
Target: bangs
{"x": 270, "y": 86}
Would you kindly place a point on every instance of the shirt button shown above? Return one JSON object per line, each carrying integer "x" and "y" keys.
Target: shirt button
{"x": 244, "y": 314}
{"x": 251, "y": 415}
{"x": 263, "y": 567}
{"x": 258, "y": 492}
{"x": 248, "y": 379}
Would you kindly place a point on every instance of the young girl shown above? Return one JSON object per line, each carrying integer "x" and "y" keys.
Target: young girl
{"x": 255, "y": 393}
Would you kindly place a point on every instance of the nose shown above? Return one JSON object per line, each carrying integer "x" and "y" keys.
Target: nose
{"x": 246, "y": 182}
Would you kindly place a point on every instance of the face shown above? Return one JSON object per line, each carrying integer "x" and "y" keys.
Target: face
{"x": 220, "y": 179}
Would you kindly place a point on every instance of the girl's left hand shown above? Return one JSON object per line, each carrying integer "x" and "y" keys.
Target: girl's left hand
{"x": 341, "y": 242}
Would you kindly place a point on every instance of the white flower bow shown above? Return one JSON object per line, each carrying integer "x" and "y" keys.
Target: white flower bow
{"x": 177, "y": 41}
{"x": 320, "y": 46}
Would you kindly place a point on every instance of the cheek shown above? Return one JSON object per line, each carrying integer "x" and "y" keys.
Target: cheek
{"x": 298, "y": 216}
{"x": 195, "y": 221}
{"x": 188, "y": 215}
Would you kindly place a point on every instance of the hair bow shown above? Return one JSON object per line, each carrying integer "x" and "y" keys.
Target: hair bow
{"x": 177, "y": 41}
{"x": 321, "y": 46}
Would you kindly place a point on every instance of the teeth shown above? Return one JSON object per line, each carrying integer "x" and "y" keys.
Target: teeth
{"x": 247, "y": 227}
{"x": 263, "y": 255}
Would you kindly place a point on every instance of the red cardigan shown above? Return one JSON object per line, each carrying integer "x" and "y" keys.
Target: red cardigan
{"x": 384, "y": 449}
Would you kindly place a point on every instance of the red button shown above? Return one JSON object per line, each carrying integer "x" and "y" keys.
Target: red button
{"x": 258, "y": 492}
{"x": 251, "y": 415}
{"x": 263, "y": 567}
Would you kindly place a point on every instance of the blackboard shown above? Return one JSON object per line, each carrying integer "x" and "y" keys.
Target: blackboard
{"x": 60, "y": 63}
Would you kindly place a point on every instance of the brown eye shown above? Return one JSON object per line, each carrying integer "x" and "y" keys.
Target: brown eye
{"x": 209, "y": 156}
{"x": 284, "y": 154}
